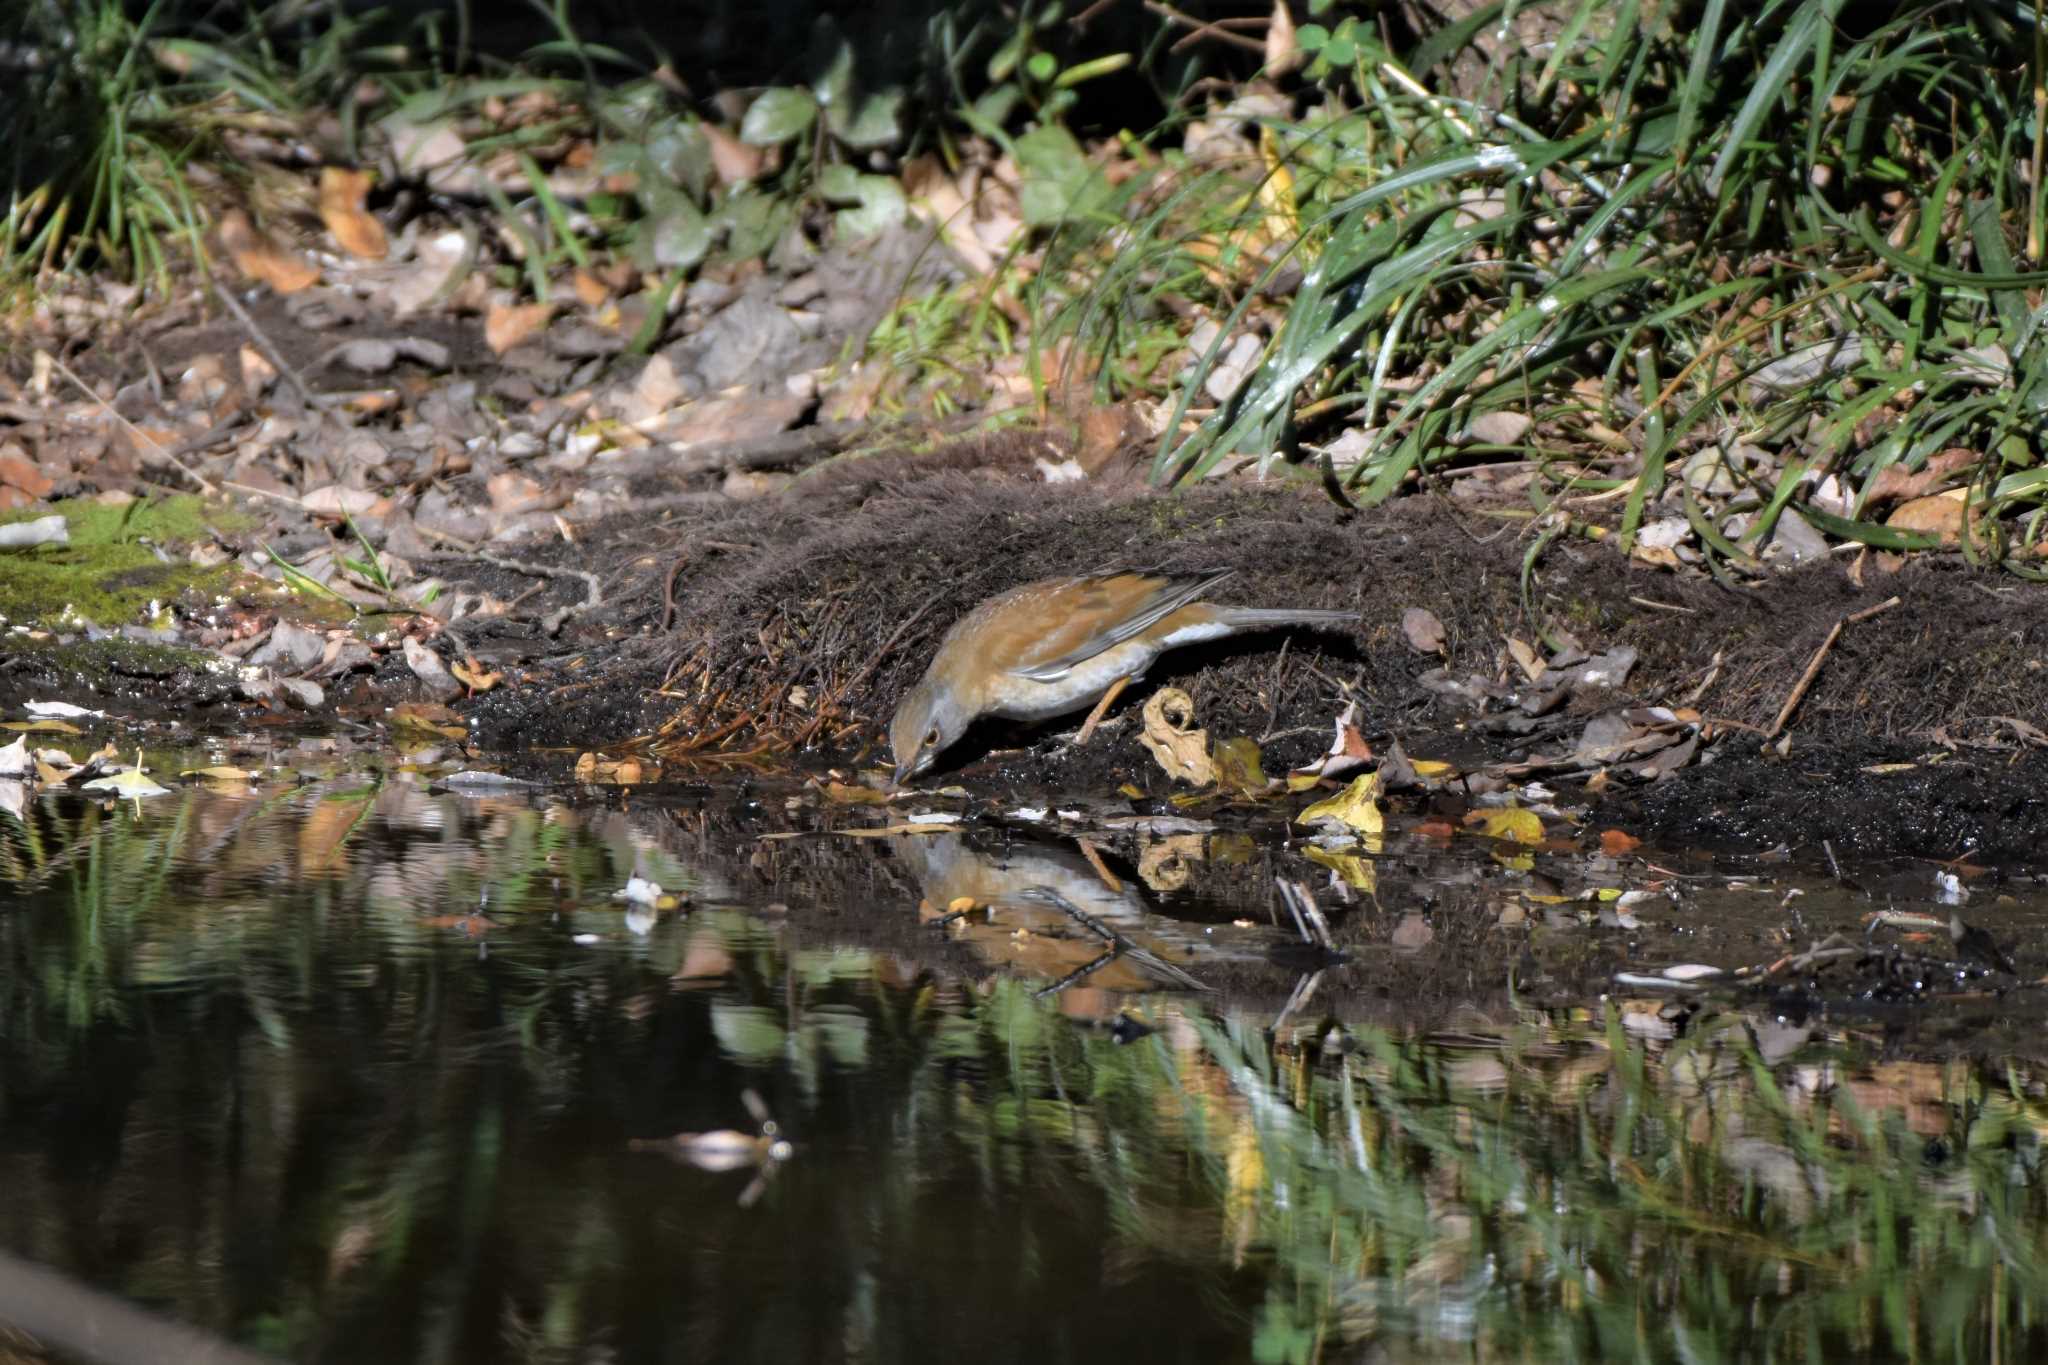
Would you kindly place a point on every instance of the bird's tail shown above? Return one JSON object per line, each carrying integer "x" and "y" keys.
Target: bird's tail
{"x": 1264, "y": 618}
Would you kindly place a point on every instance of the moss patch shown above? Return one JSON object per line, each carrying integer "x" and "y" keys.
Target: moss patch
{"x": 121, "y": 562}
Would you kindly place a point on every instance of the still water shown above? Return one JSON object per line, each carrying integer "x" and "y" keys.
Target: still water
{"x": 340, "y": 1067}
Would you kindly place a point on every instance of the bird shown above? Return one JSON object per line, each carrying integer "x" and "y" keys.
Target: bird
{"x": 1051, "y": 647}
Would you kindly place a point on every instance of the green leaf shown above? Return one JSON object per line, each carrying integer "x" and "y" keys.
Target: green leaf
{"x": 680, "y": 235}
{"x": 881, "y": 207}
{"x": 778, "y": 115}
{"x": 1060, "y": 182}
{"x": 1311, "y": 37}
{"x": 868, "y": 122}
{"x": 680, "y": 153}
{"x": 1042, "y": 67}
{"x": 839, "y": 184}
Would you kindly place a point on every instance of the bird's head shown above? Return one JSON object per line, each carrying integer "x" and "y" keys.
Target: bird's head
{"x": 928, "y": 719}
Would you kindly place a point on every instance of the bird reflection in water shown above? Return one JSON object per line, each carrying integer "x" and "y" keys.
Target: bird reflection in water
{"x": 1049, "y": 911}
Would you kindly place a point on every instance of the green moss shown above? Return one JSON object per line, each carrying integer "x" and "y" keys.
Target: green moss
{"x": 111, "y": 572}
{"x": 107, "y": 666}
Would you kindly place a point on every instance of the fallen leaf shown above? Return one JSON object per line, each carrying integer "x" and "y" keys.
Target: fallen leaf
{"x": 1357, "y": 807}
{"x": 1172, "y": 740}
{"x": 514, "y": 324}
{"x": 1512, "y": 823}
{"x": 1940, "y": 515}
{"x": 1422, "y": 630}
{"x": 474, "y": 675}
{"x": 1237, "y": 767}
{"x": 261, "y": 259}
{"x": 1614, "y": 842}
{"x": 342, "y": 195}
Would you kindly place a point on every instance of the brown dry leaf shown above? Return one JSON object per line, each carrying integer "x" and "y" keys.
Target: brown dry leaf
{"x": 474, "y": 675}
{"x": 342, "y": 193}
{"x": 732, "y": 160}
{"x": 590, "y": 291}
{"x": 324, "y": 832}
{"x": 1348, "y": 750}
{"x": 1283, "y": 52}
{"x": 843, "y": 794}
{"x": 1941, "y": 515}
{"x": 258, "y": 374}
{"x": 261, "y": 259}
{"x": 1526, "y": 659}
{"x": 1423, "y": 631}
{"x": 622, "y": 771}
{"x": 1614, "y": 842}
{"x": 1172, "y": 739}
{"x": 1163, "y": 865}
{"x": 17, "y": 472}
{"x": 1897, "y": 483}
{"x": 423, "y": 717}
{"x": 514, "y": 324}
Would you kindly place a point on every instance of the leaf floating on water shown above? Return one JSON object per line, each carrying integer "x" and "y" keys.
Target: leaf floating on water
{"x": 1515, "y": 824}
{"x": 130, "y": 783}
{"x": 1238, "y": 769}
{"x": 1357, "y": 807}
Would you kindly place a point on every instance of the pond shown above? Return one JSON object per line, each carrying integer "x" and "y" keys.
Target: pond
{"x": 341, "y": 1066}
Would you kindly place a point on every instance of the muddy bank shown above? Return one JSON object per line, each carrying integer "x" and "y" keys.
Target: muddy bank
{"x": 785, "y": 629}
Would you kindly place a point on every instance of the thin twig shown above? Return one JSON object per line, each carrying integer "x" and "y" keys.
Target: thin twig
{"x": 169, "y": 453}
{"x": 1820, "y": 656}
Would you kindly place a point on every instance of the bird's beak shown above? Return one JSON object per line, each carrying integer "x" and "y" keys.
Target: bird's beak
{"x": 905, "y": 770}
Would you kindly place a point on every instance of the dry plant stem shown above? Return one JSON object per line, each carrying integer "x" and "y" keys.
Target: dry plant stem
{"x": 1101, "y": 709}
{"x": 1717, "y": 345}
{"x": 825, "y": 706}
{"x": 593, "y": 594}
{"x": 1109, "y": 879}
{"x": 1820, "y": 655}
{"x": 1203, "y": 29}
{"x": 169, "y": 453}
{"x": 262, "y": 338}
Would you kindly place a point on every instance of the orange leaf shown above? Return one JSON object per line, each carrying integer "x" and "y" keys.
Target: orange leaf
{"x": 1614, "y": 842}
{"x": 261, "y": 259}
{"x": 342, "y": 192}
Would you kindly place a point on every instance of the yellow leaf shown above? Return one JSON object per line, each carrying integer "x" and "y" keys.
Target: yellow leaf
{"x": 1359, "y": 872}
{"x": 219, "y": 774}
{"x": 1356, "y": 807}
{"x": 1237, "y": 767}
{"x": 42, "y": 727}
{"x": 1512, "y": 823}
{"x": 1431, "y": 767}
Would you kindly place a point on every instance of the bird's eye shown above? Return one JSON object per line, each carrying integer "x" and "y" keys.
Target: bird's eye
{"x": 931, "y": 738}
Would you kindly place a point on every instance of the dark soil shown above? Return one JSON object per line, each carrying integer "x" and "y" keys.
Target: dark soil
{"x": 788, "y": 626}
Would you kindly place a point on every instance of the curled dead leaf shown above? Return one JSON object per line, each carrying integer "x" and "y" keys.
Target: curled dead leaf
{"x": 1171, "y": 737}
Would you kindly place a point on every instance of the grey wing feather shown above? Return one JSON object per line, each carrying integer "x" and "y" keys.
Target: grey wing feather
{"x": 1171, "y": 598}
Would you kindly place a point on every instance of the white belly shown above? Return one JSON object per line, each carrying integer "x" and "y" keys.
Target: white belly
{"x": 1083, "y": 685}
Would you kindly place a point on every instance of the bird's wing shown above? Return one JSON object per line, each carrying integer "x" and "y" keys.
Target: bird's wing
{"x": 1100, "y": 612}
